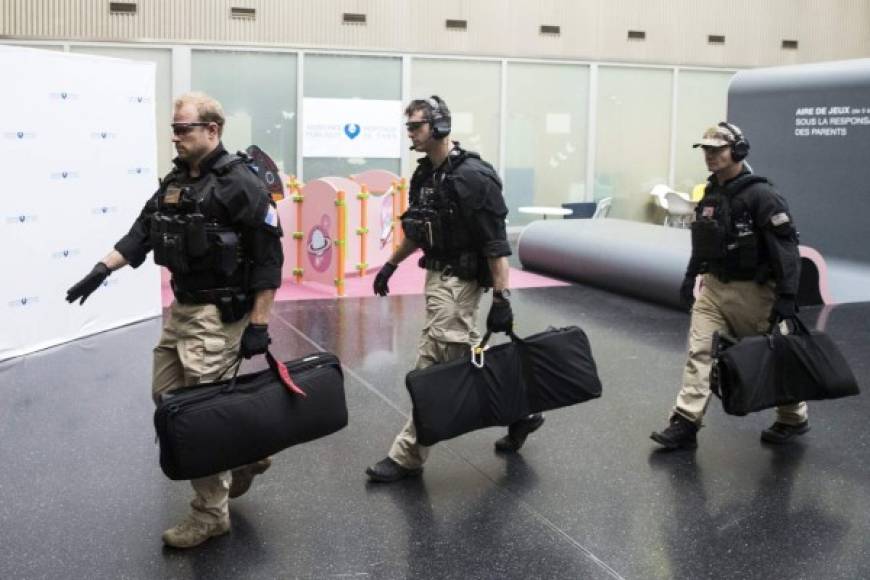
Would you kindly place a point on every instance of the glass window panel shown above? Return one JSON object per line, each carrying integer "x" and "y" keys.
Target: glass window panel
{"x": 546, "y": 135}
{"x": 633, "y": 138}
{"x": 702, "y": 101}
{"x": 472, "y": 91}
{"x": 258, "y": 93}
{"x": 347, "y": 77}
{"x": 163, "y": 92}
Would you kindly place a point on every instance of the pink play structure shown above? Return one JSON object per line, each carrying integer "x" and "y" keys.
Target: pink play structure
{"x": 336, "y": 227}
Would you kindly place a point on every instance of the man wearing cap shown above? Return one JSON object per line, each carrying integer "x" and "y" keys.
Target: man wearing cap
{"x": 745, "y": 246}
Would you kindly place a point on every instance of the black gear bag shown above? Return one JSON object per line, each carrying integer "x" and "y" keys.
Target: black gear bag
{"x": 760, "y": 372}
{"x": 216, "y": 426}
{"x": 503, "y": 384}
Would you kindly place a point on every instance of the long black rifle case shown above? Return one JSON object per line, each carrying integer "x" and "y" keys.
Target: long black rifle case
{"x": 211, "y": 427}
{"x": 544, "y": 371}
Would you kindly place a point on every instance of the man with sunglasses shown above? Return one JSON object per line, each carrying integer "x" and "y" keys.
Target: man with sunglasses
{"x": 745, "y": 244}
{"x": 456, "y": 216}
{"x": 214, "y": 225}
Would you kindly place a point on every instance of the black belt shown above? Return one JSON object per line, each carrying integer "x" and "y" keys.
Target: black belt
{"x": 212, "y": 296}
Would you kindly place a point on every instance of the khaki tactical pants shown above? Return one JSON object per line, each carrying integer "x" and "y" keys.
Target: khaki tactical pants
{"x": 449, "y": 332}
{"x": 739, "y": 309}
{"x": 196, "y": 347}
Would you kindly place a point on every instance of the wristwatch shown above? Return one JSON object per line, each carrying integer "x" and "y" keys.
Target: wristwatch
{"x": 501, "y": 294}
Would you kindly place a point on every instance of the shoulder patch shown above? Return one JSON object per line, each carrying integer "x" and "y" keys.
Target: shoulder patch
{"x": 779, "y": 219}
{"x": 272, "y": 217}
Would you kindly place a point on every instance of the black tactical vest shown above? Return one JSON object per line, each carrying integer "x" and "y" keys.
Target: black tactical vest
{"x": 201, "y": 252}
{"x": 434, "y": 220}
{"x": 725, "y": 238}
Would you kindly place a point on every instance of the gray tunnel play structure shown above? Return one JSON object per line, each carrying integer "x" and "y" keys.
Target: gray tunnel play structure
{"x": 809, "y": 130}
{"x": 643, "y": 260}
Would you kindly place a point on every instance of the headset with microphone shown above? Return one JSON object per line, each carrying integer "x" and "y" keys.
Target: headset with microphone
{"x": 438, "y": 120}
{"x": 739, "y": 144}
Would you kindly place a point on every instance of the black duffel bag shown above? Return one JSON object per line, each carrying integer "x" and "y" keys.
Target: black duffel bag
{"x": 760, "y": 372}
{"x": 211, "y": 427}
{"x": 502, "y": 384}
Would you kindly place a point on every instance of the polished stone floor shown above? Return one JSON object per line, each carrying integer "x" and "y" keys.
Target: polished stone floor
{"x": 82, "y": 496}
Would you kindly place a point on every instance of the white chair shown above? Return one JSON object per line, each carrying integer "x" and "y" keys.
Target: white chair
{"x": 680, "y": 209}
{"x": 602, "y": 208}
{"x": 659, "y": 192}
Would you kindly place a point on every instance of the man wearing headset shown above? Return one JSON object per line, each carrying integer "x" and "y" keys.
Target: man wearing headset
{"x": 745, "y": 244}
{"x": 456, "y": 216}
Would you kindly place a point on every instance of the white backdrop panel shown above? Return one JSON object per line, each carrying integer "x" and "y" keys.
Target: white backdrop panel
{"x": 78, "y": 160}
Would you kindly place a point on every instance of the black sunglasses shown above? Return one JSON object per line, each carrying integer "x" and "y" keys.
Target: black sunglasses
{"x": 180, "y": 129}
{"x": 414, "y": 125}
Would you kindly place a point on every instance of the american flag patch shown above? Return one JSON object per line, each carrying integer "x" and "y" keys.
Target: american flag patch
{"x": 272, "y": 217}
{"x": 779, "y": 219}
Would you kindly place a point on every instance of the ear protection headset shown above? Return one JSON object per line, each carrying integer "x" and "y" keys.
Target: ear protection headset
{"x": 739, "y": 146}
{"x": 439, "y": 122}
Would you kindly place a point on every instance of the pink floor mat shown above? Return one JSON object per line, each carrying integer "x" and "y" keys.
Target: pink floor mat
{"x": 408, "y": 279}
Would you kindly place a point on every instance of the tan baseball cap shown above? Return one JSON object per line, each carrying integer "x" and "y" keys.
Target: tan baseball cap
{"x": 715, "y": 137}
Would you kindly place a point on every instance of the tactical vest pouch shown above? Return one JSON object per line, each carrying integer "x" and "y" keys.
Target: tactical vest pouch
{"x": 195, "y": 235}
{"x": 167, "y": 240}
{"x": 746, "y": 249}
{"x": 708, "y": 239}
{"x": 225, "y": 252}
{"x": 422, "y": 225}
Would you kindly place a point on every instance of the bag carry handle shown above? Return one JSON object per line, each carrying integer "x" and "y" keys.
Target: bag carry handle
{"x": 478, "y": 351}
{"x": 799, "y": 326}
{"x": 277, "y": 367}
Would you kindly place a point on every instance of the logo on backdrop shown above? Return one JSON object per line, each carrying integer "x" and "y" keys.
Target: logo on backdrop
{"x": 23, "y": 301}
{"x": 63, "y": 96}
{"x": 65, "y": 253}
{"x": 320, "y": 245}
{"x": 65, "y": 175}
{"x": 104, "y": 210}
{"x": 19, "y": 135}
{"x": 352, "y": 130}
{"x": 21, "y": 219}
{"x": 139, "y": 100}
{"x": 103, "y": 135}
{"x": 139, "y": 171}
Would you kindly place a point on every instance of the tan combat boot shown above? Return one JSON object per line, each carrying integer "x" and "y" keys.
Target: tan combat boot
{"x": 192, "y": 532}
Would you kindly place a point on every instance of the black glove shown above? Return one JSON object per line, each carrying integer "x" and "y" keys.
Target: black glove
{"x": 84, "y": 287}
{"x": 380, "y": 286}
{"x": 500, "y": 317}
{"x": 784, "y": 308}
{"x": 687, "y": 292}
{"x": 255, "y": 340}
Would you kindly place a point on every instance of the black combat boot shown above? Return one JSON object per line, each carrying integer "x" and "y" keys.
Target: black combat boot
{"x": 518, "y": 432}
{"x": 679, "y": 434}
{"x": 387, "y": 471}
{"x": 783, "y": 433}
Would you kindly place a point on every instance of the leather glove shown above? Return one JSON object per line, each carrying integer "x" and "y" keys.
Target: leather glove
{"x": 784, "y": 308}
{"x": 500, "y": 317}
{"x": 687, "y": 292}
{"x": 380, "y": 286}
{"x": 85, "y": 287}
{"x": 255, "y": 340}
